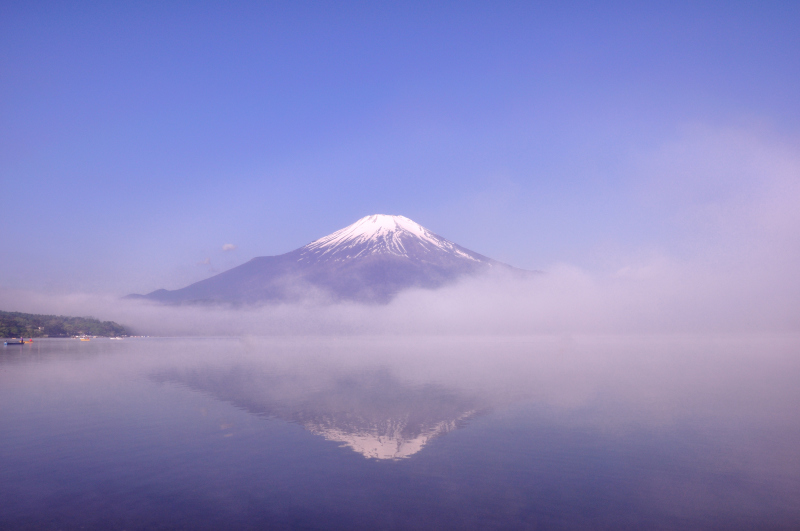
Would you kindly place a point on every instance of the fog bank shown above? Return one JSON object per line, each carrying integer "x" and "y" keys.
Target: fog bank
{"x": 657, "y": 296}
{"x": 726, "y": 263}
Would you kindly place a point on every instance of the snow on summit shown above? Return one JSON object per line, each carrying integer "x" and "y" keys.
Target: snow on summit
{"x": 370, "y": 261}
{"x": 382, "y": 234}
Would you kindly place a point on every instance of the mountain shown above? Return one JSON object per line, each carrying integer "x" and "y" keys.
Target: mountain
{"x": 371, "y": 260}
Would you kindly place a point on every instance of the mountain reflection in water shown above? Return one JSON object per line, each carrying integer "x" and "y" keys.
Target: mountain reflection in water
{"x": 434, "y": 433}
{"x": 370, "y": 411}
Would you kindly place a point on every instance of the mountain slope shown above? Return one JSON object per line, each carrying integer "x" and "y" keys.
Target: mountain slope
{"x": 369, "y": 261}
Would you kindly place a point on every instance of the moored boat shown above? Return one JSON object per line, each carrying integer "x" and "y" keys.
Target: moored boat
{"x": 15, "y": 342}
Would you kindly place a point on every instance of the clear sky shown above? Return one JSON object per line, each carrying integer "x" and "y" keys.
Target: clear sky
{"x": 139, "y": 138}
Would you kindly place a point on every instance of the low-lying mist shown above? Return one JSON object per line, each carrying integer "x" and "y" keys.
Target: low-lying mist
{"x": 728, "y": 265}
{"x": 660, "y": 296}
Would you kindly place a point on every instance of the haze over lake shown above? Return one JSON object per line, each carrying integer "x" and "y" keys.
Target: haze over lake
{"x": 410, "y": 265}
{"x": 405, "y": 433}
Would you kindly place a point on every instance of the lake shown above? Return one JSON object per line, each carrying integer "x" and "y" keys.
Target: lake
{"x": 650, "y": 432}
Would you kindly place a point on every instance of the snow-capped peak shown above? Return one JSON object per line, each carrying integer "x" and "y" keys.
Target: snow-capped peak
{"x": 383, "y": 234}
{"x": 373, "y": 227}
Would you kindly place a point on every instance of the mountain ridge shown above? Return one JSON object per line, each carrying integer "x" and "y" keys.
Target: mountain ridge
{"x": 371, "y": 260}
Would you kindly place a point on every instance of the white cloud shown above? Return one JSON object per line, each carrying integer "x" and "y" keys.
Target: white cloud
{"x": 228, "y": 247}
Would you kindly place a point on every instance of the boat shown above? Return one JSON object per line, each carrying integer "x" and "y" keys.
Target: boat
{"x": 19, "y": 342}
{"x": 85, "y": 339}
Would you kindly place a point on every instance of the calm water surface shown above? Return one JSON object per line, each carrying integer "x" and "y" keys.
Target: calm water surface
{"x": 401, "y": 433}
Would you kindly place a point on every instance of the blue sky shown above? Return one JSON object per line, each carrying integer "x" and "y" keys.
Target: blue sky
{"x": 136, "y": 139}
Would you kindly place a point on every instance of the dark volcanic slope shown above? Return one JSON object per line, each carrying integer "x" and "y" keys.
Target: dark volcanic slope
{"x": 370, "y": 261}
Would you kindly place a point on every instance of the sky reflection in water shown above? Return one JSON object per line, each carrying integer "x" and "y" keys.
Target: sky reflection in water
{"x": 360, "y": 432}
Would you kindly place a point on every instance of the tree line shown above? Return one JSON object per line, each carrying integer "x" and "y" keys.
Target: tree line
{"x": 17, "y": 324}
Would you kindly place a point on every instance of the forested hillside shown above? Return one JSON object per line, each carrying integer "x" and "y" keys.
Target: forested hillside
{"x": 16, "y": 324}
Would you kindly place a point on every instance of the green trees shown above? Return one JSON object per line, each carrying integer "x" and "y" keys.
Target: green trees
{"x": 17, "y": 324}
